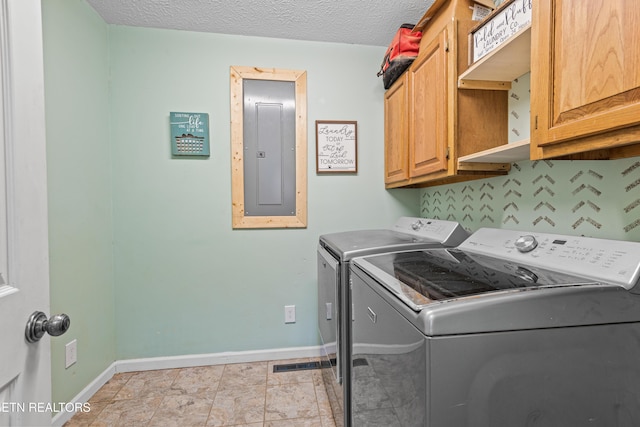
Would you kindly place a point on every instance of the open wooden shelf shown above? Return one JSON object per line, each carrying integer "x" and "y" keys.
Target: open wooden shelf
{"x": 509, "y": 153}
{"x": 500, "y": 67}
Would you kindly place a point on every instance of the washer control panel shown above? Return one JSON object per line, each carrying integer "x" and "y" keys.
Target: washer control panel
{"x": 431, "y": 229}
{"x": 603, "y": 260}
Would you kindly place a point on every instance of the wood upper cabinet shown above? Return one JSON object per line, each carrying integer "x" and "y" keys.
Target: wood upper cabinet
{"x": 437, "y": 122}
{"x": 396, "y": 130}
{"x": 428, "y": 109}
{"x": 585, "y": 78}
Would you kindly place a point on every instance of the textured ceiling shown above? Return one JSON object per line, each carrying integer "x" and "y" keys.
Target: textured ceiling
{"x": 366, "y": 22}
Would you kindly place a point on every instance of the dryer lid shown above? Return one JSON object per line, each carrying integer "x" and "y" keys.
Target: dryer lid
{"x": 407, "y": 234}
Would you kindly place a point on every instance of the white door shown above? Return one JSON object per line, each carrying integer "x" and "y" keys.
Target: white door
{"x": 25, "y": 371}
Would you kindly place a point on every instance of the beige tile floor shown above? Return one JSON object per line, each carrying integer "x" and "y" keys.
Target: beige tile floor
{"x": 243, "y": 395}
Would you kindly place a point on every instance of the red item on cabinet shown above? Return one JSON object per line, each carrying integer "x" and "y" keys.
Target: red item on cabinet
{"x": 400, "y": 54}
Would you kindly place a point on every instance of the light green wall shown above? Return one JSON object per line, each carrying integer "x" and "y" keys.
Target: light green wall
{"x": 185, "y": 281}
{"x": 79, "y": 176}
{"x": 143, "y": 257}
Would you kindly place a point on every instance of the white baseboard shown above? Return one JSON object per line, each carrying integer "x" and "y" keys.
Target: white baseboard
{"x": 188, "y": 361}
{"x": 62, "y": 417}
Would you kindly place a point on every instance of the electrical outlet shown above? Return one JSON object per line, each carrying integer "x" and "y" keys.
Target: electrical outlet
{"x": 289, "y": 314}
{"x": 70, "y": 353}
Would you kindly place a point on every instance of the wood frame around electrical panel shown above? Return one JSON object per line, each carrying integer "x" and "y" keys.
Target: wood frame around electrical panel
{"x": 239, "y": 219}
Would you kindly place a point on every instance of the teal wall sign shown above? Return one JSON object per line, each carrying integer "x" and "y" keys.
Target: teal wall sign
{"x": 189, "y": 134}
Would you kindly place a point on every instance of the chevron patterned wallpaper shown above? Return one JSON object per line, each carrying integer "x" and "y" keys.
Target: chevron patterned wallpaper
{"x": 590, "y": 198}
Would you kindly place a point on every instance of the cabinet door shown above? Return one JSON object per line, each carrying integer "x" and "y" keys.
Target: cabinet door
{"x": 396, "y": 164}
{"x": 585, "y": 88}
{"x": 428, "y": 109}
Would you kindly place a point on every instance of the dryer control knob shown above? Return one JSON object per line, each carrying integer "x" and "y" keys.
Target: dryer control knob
{"x": 526, "y": 243}
{"x": 417, "y": 225}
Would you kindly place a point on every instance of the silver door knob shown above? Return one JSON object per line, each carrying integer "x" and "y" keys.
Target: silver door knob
{"x": 38, "y": 324}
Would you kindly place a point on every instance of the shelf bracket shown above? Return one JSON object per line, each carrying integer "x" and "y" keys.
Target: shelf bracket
{"x": 483, "y": 85}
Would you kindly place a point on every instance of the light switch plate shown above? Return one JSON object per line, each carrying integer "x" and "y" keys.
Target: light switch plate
{"x": 289, "y": 314}
{"x": 71, "y": 353}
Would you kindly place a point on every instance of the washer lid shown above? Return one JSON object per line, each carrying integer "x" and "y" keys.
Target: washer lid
{"x": 451, "y": 292}
{"x": 421, "y": 278}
